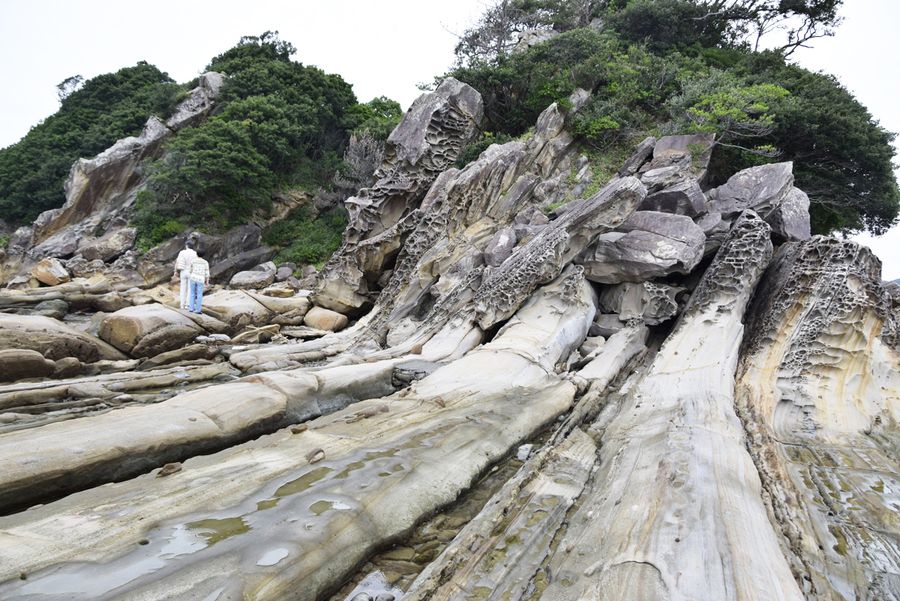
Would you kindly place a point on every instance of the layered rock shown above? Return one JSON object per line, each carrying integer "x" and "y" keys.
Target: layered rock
{"x": 100, "y": 190}
{"x": 431, "y": 136}
{"x": 52, "y": 338}
{"x": 356, "y": 493}
{"x": 819, "y": 394}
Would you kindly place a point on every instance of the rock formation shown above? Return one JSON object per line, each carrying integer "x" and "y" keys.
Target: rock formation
{"x": 699, "y": 401}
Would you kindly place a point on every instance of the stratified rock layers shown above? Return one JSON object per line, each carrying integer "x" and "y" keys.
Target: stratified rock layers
{"x": 819, "y": 393}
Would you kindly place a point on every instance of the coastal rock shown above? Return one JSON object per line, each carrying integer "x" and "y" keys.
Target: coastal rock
{"x": 52, "y": 339}
{"x": 110, "y": 246}
{"x": 252, "y": 279}
{"x": 645, "y": 246}
{"x": 325, "y": 319}
{"x": 16, "y": 364}
{"x": 648, "y": 301}
{"x": 762, "y": 188}
{"x": 51, "y": 272}
{"x": 431, "y": 136}
{"x": 148, "y": 330}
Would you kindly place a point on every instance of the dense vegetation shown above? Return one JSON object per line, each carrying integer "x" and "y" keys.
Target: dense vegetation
{"x": 665, "y": 66}
{"x": 90, "y": 119}
{"x": 279, "y": 124}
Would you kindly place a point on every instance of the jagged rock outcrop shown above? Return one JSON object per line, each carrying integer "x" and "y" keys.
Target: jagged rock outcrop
{"x": 672, "y": 452}
{"x": 431, "y": 136}
{"x": 818, "y": 391}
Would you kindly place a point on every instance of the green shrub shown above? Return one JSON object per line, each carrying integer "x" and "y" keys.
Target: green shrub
{"x": 304, "y": 238}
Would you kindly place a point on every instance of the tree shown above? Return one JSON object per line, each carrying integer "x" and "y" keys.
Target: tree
{"x": 70, "y": 84}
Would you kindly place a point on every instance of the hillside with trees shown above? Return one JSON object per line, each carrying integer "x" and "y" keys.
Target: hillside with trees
{"x": 666, "y": 66}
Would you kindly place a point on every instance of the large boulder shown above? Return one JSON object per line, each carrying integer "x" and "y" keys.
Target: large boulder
{"x": 651, "y": 302}
{"x": 685, "y": 198}
{"x": 110, "y": 245}
{"x": 50, "y": 271}
{"x": 148, "y": 330}
{"x": 252, "y": 279}
{"x": 790, "y": 220}
{"x": 53, "y": 339}
{"x": 325, "y": 319}
{"x": 762, "y": 188}
{"x": 647, "y": 245}
{"x": 16, "y": 364}
{"x": 237, "y": 308}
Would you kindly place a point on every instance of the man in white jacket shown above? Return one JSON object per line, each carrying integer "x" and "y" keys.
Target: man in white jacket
{"x": 198, "y": 273}
{"x": 182, "y": 268}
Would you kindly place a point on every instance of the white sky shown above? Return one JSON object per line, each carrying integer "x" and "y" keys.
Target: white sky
{"x": 382, "y": 47}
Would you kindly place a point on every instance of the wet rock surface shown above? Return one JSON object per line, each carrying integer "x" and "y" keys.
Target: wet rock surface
{"x": 484, "y": 398}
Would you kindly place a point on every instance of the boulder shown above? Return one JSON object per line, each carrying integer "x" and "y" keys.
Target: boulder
{"x": 651, "y": 302}
{"x": 55, "y": 308}
{"x": 267, "y": 266}
{"x": 223, "y": 270}
{"x": 790, "y": 220}
{"x": 52, "y": 338}
{"x": 321, "y": 318}
{"x": 17, "y": 364}
{"x": 252, "y": 279}
{"x": 50, "y": 271}
{"x": 110, "y": 246}
{"x": 647, "y": 245}
{"x": 283, "y": 273}
{"x": 685, "y": 198}
{"x": 237, "y": 308}
{"x": 762, "y": 188}
{"x": 148, "y": 330}
{"x": 500, "y": 247}
{"x": 606, "y": 324}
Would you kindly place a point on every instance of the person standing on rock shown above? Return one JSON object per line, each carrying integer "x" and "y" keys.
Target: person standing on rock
{"x": 198, "y": 273}
{"x": 182, "y": 266}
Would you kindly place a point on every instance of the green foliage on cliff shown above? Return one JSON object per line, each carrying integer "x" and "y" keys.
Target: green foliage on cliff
{"x": 676, "y": 66}
{"x": 305, "y": 237}
{"x": 90, "y": 119}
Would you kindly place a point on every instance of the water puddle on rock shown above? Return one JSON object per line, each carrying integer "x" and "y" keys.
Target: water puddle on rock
{"x": 399, "y": 565}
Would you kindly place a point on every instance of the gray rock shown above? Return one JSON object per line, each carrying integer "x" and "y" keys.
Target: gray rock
{"x": 252, "y": 279}
{"x": 638, "y": 158}
{"x": 283, "y": 273}
{"x": 790, "y": 220}
{"x": 55, "y": 308}
{"x": 267, "y": 266}
{"x": 18, "y": 364}
{"x": 685, "y": 198}
{"x": 606, "y": 324}
{"x": 762, "y": 188}
{"x": 653, "y": 303}
{"x": 500, "y": 247}
{"x": 647, "y": 245}
{"x": 224, "y": 270}
{"x": 111, "y": 245}
{"x": 50, "y": 271}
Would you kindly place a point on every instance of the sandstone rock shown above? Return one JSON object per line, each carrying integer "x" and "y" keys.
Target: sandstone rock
{"x": 252, "y": 279}
{"x": 53, "y": 339}
{"x": 266, "y": 266}
{"x": 236, "y": 308}
{"x": 790, "y": 220}
{"x": 109, "y": 246}
{"x": 762, "y": 188}
{"x": 432, "y": 134}
{"x": 653, "y": 245}
{"x": 606, "y": 324}
{"x": 653, "y": 303}
{"x": 500, "y": 247}
{"x": 325, "y": 319}
{"x": 148, "y": 330}
{"x": 279, "y": 291}
{"x": 50, "y": 271}
{"x": 817, "y": 326}
{"x": 17, "y": 364}
{"x": 685, "y": 198}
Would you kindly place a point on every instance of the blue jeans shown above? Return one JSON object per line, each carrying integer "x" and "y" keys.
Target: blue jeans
{"x": 195, "y": 297}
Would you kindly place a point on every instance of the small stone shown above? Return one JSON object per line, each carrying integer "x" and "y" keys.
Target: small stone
{"x": 299, "y": 428}
{"x": 315, "y": 456}
{"x": 168, "y": 469}
{"x": 321, "y": 318}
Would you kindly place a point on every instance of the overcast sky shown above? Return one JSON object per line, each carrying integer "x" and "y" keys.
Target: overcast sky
{"x": 382, "y": 47}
